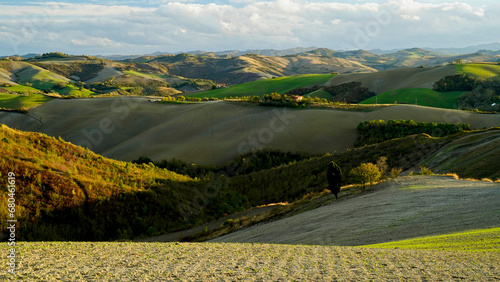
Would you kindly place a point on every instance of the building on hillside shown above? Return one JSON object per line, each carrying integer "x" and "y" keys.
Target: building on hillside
{"x": 297, "y": 98}
{"x": 220, "y": 85}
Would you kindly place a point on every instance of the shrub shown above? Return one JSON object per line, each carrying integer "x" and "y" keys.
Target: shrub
{"x": 395, "y": 172}
{"x": 425, "y": 171}
{"x": 60, "y": 85}
{"x": 382, "y": 165}
{"x": 365, "y": 173}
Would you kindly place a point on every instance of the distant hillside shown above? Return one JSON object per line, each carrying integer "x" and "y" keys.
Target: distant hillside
{"x": 250, "y": 67}
{"x": 404, "y": 78}
{"x": 419, "y": 96}
{"x": 210, "y": 133}
{"x": 415, "y": 86}
{"x": 280, "y": 85}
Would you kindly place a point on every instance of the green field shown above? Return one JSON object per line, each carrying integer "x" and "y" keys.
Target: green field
{"x": 11, "y": 101}
{"x": 261, "y": 87}
{"x": 319, "y": 94}
{"x": 43, "y": 79}
{"x": 481, "y": 240}
{"x": 480, "y": 70}
{"x": 420, "y": 96}
{"x": 22, "y": 89}
{"x": 40, "y": 78}
{"x": 71, "y": 90}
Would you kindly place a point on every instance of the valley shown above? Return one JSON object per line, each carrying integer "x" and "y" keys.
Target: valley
{"x": 232, "y": 152}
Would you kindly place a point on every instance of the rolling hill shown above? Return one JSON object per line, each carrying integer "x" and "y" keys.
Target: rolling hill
{"x": 211, "y": 133}
{"x": 250, "y": 67}
{"x": 404, "y": 78}
{"x": 420, "y": 96}
{"x": 259, "y": 88}
{"x": 40, "y": 78}
{"x": 66, "y": 192}
{"x": 484, "y": 70}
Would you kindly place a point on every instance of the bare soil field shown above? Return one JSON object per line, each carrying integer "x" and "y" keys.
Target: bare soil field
{"x": 404, "y": 78}
{"x": 70, "y": 261}
{"x": 108, "y": 72}
{"x": 406, "y": 207}
{"x": 211, "y": 133}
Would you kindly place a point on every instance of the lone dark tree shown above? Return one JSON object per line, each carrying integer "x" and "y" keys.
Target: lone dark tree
{"x": 334, "y": 176}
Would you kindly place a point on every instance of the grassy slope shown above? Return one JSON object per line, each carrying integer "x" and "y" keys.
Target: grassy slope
{"x": 261, "y": 87}
{"x": 11, "y": 101}
{"x": 405, "y": 153}
{"x": 424, "y": 96}
{"x": 481, "y": 240}
{"x": 403, "y": 78}
{"x": 145, "y": 129}
{"x": 22, "y": 89}
{"x": 320, "y": 94}
{"x": 67, "y": 192}
{"x": 40, "y": 78}
{"x": 475, "y": 155}
{"x": 480, "y": 70}
{"x": 44, "y": 79}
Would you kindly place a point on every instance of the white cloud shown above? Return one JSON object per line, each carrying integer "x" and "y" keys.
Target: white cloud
{"x": 410, "y": 17}
{"x": 95, "y": 42}
{"x": 184, "y": 25}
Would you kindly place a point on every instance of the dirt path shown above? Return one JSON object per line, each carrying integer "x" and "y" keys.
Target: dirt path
{"x": 407, "y": 207}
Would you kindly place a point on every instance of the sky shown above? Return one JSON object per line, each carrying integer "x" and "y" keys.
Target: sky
{"x": 96, "y": 27}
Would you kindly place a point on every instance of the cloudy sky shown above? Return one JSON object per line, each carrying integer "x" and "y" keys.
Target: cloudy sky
{"x": 144, "y": 26}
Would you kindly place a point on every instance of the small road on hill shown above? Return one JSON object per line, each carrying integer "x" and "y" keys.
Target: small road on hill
{"x": 406, "y": 207}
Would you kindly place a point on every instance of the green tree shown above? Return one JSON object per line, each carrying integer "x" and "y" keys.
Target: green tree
{"x": 366, "y": 173}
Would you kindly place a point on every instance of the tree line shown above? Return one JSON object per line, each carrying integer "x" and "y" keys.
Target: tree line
{"x": 376, "y": 131}
{"x": 481, "y": 95}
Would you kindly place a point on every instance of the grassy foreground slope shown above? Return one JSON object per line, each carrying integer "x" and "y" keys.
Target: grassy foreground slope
{"x": 243, "y": 262}
{"x": 481, "y": 240}
{"x": 261, "y": 87}
{"x": 420, "y": 96}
